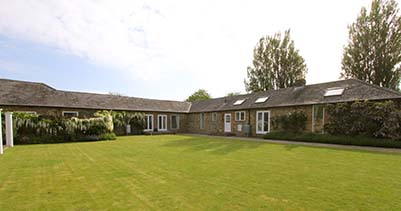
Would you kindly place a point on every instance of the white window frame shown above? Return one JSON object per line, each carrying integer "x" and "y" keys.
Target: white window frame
{"x": 239, "y": 102}
{"x": 263, "y": 122}
{"x": 149, "y": 116}
{"x": 163, "y": 116}
{"x": 335, "y": 91}
{"x": 261, "y": 99}
{"x": 178, "y": 121}
{"x": 202, "y": 121}
{"x": 214, "y": 116}
{"x": 70, "y": 112}
{"x": 313, "y": 119}
{"x": 239, "y": 115}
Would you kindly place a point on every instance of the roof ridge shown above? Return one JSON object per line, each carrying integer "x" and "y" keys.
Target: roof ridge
{"x": 30, "y": 82}
{"x": 91, "y": 93}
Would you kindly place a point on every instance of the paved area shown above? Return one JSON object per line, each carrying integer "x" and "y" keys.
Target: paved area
{"x": 338, "y": 146}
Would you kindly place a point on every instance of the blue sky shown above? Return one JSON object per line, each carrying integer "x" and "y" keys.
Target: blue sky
{"x": 29, "y": 61}
{"x": 163, "y": 49}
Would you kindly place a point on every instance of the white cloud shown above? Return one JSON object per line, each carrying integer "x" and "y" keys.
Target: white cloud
{"x": 211, "y": 42}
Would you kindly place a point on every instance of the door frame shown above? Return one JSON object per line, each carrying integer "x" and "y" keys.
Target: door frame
{"x": 147, "y": 117}
{"x": 224, "y": 122}
{"x": 263, "y": 122}
{"x": 163, "y": 116}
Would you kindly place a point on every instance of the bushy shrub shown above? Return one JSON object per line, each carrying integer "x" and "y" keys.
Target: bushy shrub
{"x": 293, "y": 122}
{"x": 365, "y": 118}
{"x": 108, "y": 136}
{"x": 122, "y": 119}
{"x": 31, "y": 128}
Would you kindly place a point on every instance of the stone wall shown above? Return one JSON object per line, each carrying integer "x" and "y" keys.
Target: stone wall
{"x": 190, "y": 123}
{"x": 217, "y": 127}
{"x": 50, "y": 111}
{"x": 182, "y": 121}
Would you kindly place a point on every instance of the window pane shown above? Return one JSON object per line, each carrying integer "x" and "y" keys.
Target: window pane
{"x": 228, "y": 118}
{"x": 259, "y": 122}
{"x": 201, "y": 121}
{"x": 150, "y": 126}
{"x": 174, "y": 122}
{"x": 266, "y": 122}
{"x": 242, "y": 116}
{"x": 70, "y": 114}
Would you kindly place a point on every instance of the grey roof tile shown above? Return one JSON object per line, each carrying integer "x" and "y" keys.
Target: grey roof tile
{"x": 305, "y": 95}
{"x": 38, "y": 94}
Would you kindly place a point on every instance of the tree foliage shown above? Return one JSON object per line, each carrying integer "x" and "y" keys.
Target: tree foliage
{"x": 201, "y": 94}
{"x": 276, "y": 64}
{"x": 230, "y": 94}
{"x": 373, "y": 53}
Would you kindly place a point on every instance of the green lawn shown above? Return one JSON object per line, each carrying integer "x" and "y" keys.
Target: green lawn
{"x": 196, "y": 173}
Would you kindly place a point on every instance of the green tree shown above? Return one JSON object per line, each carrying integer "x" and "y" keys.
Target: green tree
{"x": 201, "y": 94}
{"x": 373, "y": 53}
{"x": 232, "y": 94}
{"x": 276, "y": 64}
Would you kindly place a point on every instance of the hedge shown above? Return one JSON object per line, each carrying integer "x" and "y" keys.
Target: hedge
{"x": 333, "y": 139}
{"x": 365, "y": 118}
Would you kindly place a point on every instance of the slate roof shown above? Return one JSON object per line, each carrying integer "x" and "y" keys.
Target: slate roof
{"x": 305, "y": 95}
{"x": 21, "y": 93}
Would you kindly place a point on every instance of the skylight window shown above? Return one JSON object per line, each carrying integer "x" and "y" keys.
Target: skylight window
{"x": 261, "y": 99}
{"x": 334, "y": 92}
{"x": 239, "y": 102}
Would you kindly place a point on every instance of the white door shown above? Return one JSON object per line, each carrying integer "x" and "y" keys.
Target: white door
{"x": 162, "y": 123}
{"x": 227, "y": 123}
{"x": 262, "y": 122}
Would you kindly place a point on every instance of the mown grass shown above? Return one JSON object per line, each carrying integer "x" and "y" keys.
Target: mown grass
{"x": 196, "y": 173}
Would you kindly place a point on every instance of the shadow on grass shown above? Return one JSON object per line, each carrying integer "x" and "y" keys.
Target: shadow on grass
{"x": 215, "y": 146}
{"x": 290, "y": 147}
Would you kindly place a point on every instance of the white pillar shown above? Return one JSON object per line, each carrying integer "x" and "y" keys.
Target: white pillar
{"x": 1, "y": 135}
{"x": 9, "y": 129}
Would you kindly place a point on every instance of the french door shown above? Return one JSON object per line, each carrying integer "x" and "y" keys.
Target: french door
{"x": 262, "y": 122}
{"x": 162, "y": 122}
{"x": 149, "y": 122}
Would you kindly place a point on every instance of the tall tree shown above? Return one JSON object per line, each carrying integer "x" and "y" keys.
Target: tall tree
{"x": 230, "y": 94}
{"x": 201, "y": 94}
{"x": 276, "y": 64}
{"x": 373, "y": 53}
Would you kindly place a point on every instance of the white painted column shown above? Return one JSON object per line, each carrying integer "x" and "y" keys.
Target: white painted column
{"x": 9, "y": 129}
{"x": 1, "y": 135}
